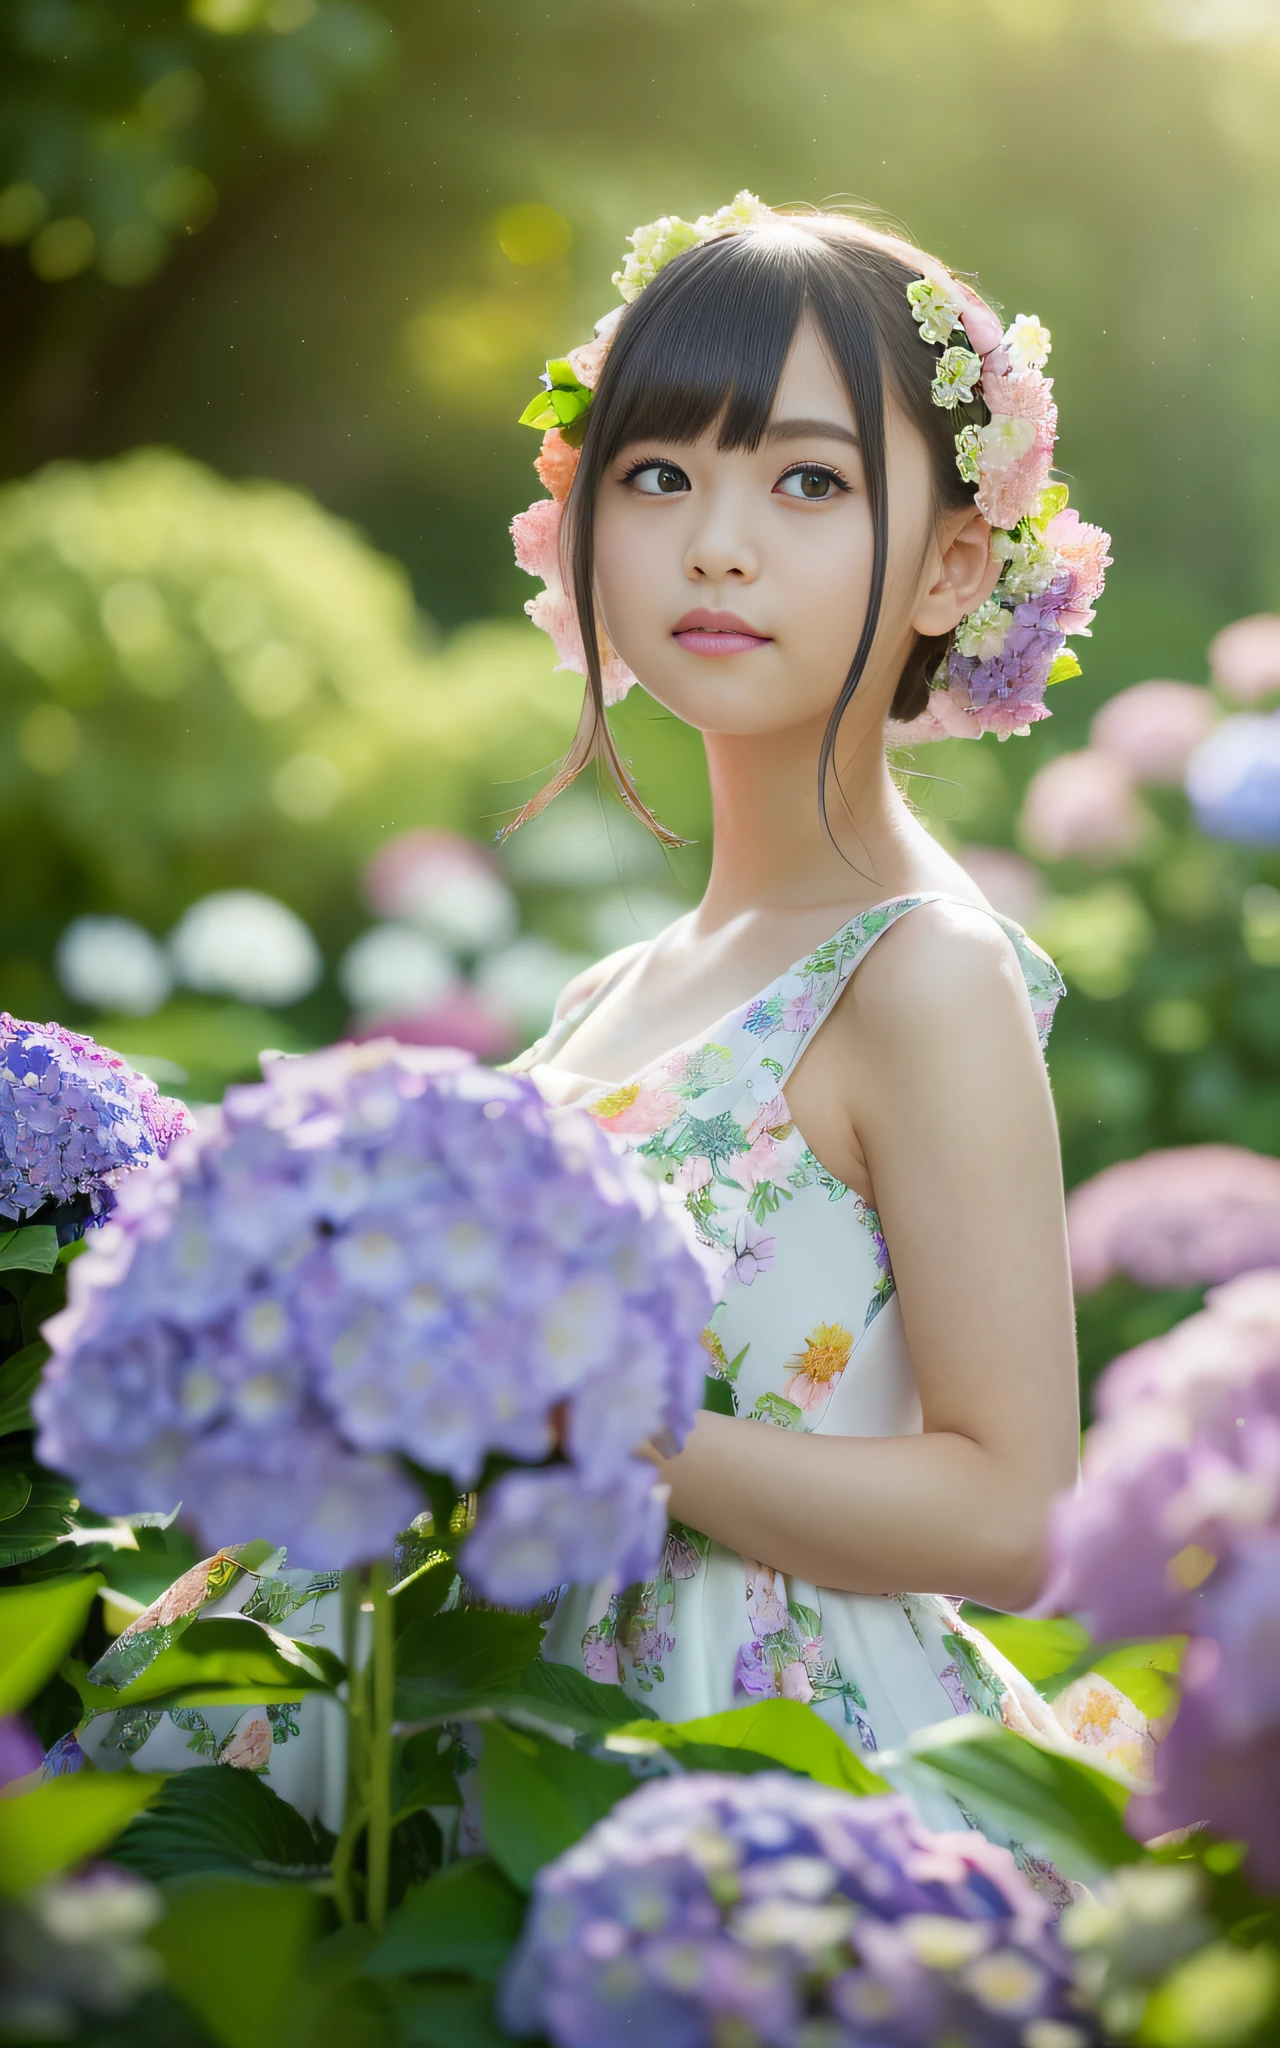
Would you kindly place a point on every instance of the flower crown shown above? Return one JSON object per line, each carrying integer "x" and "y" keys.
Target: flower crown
{"x": 1005, "y": 654}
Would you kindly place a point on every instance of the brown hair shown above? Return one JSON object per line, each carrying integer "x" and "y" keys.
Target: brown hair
{"x": 705, "y": 345}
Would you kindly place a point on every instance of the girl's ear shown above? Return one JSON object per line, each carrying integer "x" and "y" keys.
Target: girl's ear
{"x": 964, "y": 573}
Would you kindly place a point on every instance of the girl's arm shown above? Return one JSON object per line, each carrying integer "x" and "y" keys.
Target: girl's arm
{"x": 950, "y": 1103}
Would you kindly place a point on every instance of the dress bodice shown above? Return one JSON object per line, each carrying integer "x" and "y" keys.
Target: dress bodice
{"x": 807, "y": 1330}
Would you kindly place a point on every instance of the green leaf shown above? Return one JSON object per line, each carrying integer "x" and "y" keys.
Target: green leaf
{"x": 449, "y": 2016}
{"x": 32, "y": 1248}
{"x": 421, "y": 1596}
{"x": 65, "y": 1820}
{"x": 15, "y": 1490}
{"x": 38, "y": 1625}
{"x": 783, "y": 1731}
{"x": 1046, "y": 1798}
{"x": 717, "y": 1395}
{"x": 234, "y": 1952}
{"x": 464, "y": 1920}
{"x": 426, "y": 1775}
{"x": 537, "y": 1798}
{"x": 214, "y": 1818}
{"x": 1064, "y": 668}
{"x": 539, "y": 413}
{"x": 41, "y": 1524}
{"x": 564, "y": 1687}
{"x": 19, "y": 1378}
{"x": 467, "y": 1652}
{"x": 223, "y": 1654}
{"x": 1038, "y": 1649}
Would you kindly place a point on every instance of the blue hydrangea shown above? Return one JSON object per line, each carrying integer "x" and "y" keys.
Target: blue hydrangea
{"x": 73, "y": 1118}
{"x": 708, "y": 1909}
{"x": 1233, "y": 780}
{"x": 379, "y": 1258}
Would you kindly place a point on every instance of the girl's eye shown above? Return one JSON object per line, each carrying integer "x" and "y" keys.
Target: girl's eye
{"x": 657, "y": 479}
{"x": 812, "y": 483}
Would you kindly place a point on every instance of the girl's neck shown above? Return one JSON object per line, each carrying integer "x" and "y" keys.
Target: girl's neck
{"x": 771, "y": 850}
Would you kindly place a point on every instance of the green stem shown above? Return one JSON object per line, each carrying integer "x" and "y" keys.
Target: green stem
{"x": 356, "y": 1813}
{"x": 380, "y": 1746}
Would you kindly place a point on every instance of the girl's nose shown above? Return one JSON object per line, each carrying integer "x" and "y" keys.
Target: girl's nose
{"x": 720, "y": 550}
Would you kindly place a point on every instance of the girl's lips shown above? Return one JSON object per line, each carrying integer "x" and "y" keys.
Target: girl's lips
{"x": 700, "y": 641}
{"x": 704, "y": 632}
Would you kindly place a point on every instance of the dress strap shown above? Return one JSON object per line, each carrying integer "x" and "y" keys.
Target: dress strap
{"x": 785, "y": 1017}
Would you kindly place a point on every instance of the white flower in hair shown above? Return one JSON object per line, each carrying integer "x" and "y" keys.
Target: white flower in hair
{"x": 935, "y": 308}
{"x": 956, "y": 377}
{"x": 985, "y": 631}
{"x": 1006, "y": 440}
{"x": 1028, "y": 342}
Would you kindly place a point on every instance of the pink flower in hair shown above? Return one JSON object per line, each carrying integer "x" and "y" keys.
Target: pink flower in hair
{"x": 557, "y": 464}
{"x": 536, "y": 534}
{"x": 1025, "y": 396}
{"x": 588, "y": 361}
{"x": 1082, "y": 551}
{"x": 980, "y": 324}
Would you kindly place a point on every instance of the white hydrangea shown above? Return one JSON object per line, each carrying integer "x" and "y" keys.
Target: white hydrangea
{"x": 239, "y": 942}
{"x": 983, "y": 634}
{"x": 111, "y": 963}
{"x": 394, "y": 971}
{"x": 1028, "y": 342}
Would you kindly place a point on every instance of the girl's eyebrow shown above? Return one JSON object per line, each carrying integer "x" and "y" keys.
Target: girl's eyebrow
{"x": 804, "y": 430}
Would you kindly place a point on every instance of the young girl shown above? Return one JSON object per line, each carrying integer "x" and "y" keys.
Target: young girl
{"x": 811, "y": 501}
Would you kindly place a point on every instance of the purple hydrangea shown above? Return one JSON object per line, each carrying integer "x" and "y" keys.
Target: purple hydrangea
{"x": 1176, "y": 1527}
{"x": 770, "y": 1908}
{"x": 1185, "y": 1216}
{"x": 74, "y": 1117}
{"x": 382, "y": 1254}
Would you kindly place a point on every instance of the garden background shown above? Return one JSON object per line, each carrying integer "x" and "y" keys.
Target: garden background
{"x": 277, "y": 277}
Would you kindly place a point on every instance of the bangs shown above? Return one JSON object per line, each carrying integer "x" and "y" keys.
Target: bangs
{"x": 705, "y": 343}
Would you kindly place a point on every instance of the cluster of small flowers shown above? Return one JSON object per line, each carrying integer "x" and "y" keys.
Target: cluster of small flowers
{"x": 73, "y": 1118}
{"x": 383, "y": 1253}
{"x": 1008, "y": 651}
{"x": 1183, "y": 1216}
{"x": 658, "y": 241}
{"x": 709, "y": 1908}
{"x": 1176, "y": 1527}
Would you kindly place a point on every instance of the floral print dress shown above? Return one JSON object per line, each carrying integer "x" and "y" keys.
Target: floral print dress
{"x": 808, "y": 1336}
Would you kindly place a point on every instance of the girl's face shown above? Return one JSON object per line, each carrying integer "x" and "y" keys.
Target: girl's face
{"x": 734, "y": 582}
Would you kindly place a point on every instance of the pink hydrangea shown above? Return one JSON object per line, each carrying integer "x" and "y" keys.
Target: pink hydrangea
{"x": 1081, "y": 806}
{"x": 1010, "y": 884}
{"x": 467, "y": 1018}
{"x": 1184, "y": 1217}
{"x": 1154, "y": 728}
{"x": 1244, "y": 658}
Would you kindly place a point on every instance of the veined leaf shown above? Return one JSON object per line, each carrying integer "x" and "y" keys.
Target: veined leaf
{"x": 15, "y": 1490}
{"x": 467, "y": 1652}
{"x": 1046, "y": 1798}
{"x": 60, "y": 1823}
{"x": 214, "y": 1818}
{"x": 465, "y": 1919}
{"x": 31, "y": 1248}
{"x": 41, "y": 1524}
{"x": 563, "y": 1686}
{"x": 38, "y": 1625}
{"x": 537, "y": 1798}
{"x": 788, "y": 1734}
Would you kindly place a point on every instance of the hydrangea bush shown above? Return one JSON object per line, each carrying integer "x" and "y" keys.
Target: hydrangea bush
{"x": 382, "y": 1261}
{"x": 710, "y": 1908}
{"x": 1176, "y": 1527}
{"x": 74, "y": 1117}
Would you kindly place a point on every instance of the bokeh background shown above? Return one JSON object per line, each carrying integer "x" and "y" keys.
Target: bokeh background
{"x": 276, "y": 277}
